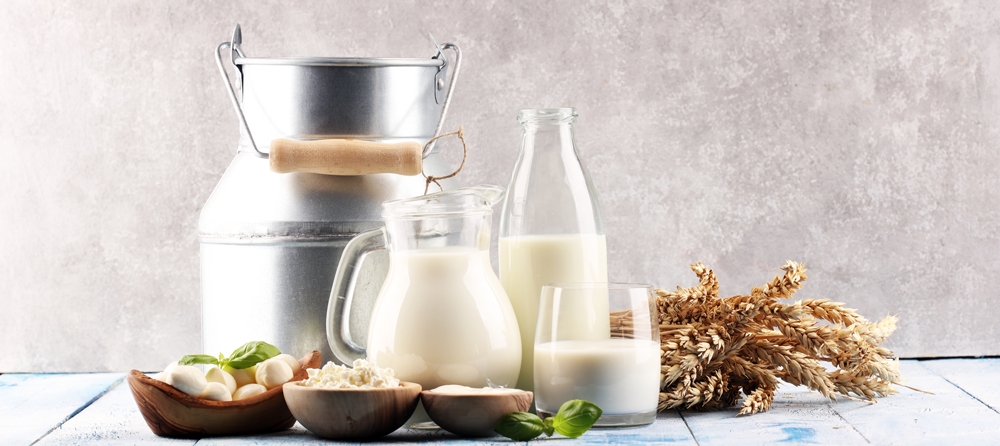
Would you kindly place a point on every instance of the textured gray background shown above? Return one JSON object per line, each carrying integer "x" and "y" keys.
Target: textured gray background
{"x": 859, "y": 137}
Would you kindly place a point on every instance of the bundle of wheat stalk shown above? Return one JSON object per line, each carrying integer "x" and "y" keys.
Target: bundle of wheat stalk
{"x": 713, "y": 350}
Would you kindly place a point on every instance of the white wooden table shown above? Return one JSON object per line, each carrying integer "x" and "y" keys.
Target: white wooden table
{"x": 75, "y": 409}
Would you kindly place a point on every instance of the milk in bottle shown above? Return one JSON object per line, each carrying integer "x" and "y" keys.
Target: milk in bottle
{"x": 550, "y": 227}
{"x": 535, "y": 260}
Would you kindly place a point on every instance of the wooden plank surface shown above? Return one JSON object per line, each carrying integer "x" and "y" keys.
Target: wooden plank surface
{"x": 669, "y": 428}
{"x": 797, "y": 416}
{"x": 298, "y": 435}
{"x": 980, "y": 378}
{"x": 114, "y": 419}
{"x": 962, "y": 411}
{"x": 32, "y": 405}
{"x": 950, "y": 416}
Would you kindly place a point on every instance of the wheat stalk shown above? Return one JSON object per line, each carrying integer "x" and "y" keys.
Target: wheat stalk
{"x": 759, "y": 400}
{"x": 713, "y": 350}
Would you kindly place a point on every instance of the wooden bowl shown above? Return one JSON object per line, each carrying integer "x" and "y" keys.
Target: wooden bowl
{"x": 172, "y": 413}
{"x": 352, "y": 414}
{"x": 473, "y": 415}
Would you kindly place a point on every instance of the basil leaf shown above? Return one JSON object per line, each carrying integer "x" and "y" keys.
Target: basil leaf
{"x": 251, "y": 354}
{"x": 519, "y": 426}
{"x": 198, "y": 359}
{"x": 576, "y": 417}
{"x": 547, "y": 428}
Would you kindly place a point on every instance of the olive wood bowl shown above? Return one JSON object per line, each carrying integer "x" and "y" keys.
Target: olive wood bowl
{"x": 473, "y": 415}
{"x": 352, "y": 414}
{"x": 172, "y": 413}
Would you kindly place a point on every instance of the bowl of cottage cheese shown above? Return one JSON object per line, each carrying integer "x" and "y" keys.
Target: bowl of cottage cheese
{"x": 361, "y": 402}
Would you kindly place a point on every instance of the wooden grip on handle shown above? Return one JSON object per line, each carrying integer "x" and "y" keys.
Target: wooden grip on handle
{"x": 345, "y": 157}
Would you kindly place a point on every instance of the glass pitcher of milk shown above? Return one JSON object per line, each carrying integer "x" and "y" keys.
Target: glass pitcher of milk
{"x": 550, "y": 227}
{"x": 442, "y": 316}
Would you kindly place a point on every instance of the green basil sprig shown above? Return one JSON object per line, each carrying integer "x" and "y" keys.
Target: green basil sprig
{"x": 520, "y": 426}
{"x": 249, "y": 355}
{"x": 574, "y": 418}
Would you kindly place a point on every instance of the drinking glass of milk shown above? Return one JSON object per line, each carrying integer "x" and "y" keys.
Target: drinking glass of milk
{"x": 598, "y": 342}
{"x": 550, "y": 228}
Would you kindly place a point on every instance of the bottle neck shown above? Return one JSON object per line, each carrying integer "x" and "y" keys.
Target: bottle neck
{"x": 546, "y": 116}
{"x": 550, "y": 191}
{"x": 556, "y": 140}
{"x": 548, "y": 130}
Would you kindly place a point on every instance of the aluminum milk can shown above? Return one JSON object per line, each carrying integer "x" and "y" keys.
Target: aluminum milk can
{"x": 271, "y": 242}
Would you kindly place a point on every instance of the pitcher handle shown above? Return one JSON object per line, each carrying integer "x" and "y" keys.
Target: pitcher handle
{"x": 338, "y": 312}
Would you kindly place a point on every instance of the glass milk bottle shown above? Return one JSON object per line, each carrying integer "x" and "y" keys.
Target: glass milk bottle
{"x": 550, "y": 227}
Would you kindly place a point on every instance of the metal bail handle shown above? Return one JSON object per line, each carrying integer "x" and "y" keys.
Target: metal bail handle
{"x": 234, "y": 47}
{"x": 439, "y": 85}
{"x": 235, "y": 51}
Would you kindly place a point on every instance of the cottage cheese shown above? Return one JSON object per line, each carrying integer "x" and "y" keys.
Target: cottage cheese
{"x": 364, "y": 375}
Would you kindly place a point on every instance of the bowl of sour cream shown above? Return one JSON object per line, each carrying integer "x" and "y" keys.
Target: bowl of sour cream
{"x": 472, "y": 412}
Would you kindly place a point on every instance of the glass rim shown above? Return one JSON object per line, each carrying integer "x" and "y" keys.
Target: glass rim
{"x": 593, "y": 285}
{"x": 459, "y": 202}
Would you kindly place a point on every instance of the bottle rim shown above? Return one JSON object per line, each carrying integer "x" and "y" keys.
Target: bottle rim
{"x": 565, "y": 115}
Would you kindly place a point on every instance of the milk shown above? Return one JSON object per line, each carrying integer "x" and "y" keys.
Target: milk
{"x": 528, "y": 262}
{"x": 443, "y": 318}
{"x": 621, "y": 376}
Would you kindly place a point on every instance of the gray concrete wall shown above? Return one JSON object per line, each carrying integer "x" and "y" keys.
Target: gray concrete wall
{"x": 859, "y": 137}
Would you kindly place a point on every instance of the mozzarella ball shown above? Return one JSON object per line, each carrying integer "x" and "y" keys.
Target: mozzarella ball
{"x": 273, "y": 373}
{"x": 216, "y": 392}
{"x": 162, "y": 376}
{"x": 218, "y": 375}
{"x": 248, "y": 391}
{"x": 242, "y": 376}
{"x": 171, "y": 366}
{"x": 187, "y": 379}
{"x": 291, "y": 361}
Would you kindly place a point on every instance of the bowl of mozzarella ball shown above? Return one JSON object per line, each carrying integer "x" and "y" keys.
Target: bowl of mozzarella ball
{"x": 182, "y": 401}
{"x": 362, "y": 402}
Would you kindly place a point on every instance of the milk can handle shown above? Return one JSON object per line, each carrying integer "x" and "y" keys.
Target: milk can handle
{"x": 234, "y": 50}
{"x": 338, "y": 312}
{"x": 451, "y": 87}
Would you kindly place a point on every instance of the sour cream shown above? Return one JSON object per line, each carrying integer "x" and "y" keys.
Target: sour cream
{"x": 453, "y": 389}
